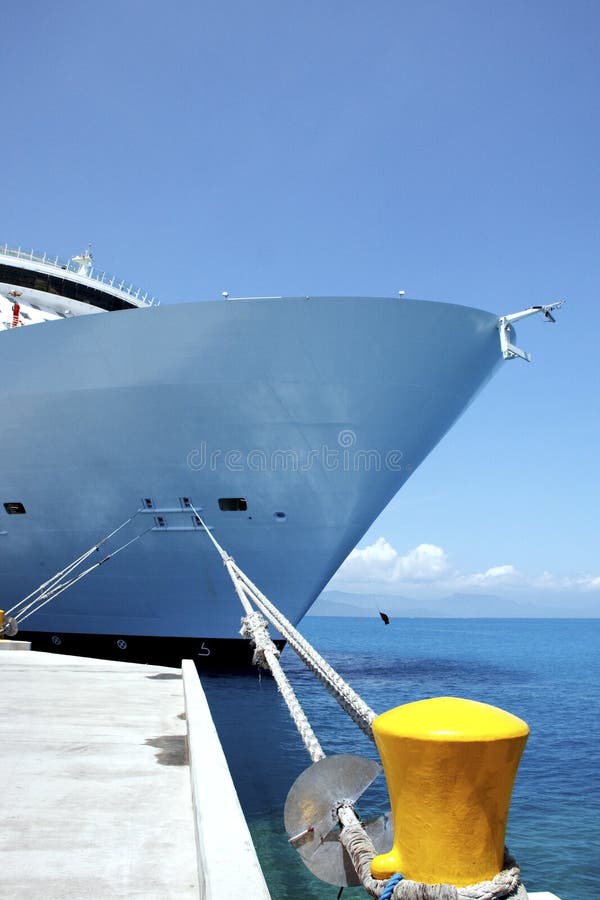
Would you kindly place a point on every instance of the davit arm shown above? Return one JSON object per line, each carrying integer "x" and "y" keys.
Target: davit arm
{"x": 511, "y": 351}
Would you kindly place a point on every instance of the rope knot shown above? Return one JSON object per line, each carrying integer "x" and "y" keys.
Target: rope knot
{"x": 256, "y": 628}
{"x": 361, "y": 851}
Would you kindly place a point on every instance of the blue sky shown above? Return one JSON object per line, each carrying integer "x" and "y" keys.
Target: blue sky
{"x": 451, "y": 149}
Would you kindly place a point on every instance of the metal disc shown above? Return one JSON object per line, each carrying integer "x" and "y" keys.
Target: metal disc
{"x": 310, "y": 813}
{"x": 11, "y": 627}
{"x": 381, "y": 832}
{"x": 331, "y": 862}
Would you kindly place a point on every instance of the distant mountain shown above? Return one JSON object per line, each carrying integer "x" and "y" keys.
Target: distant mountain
{"x": 324, "y": 606}
{"x": 461, "y": 606}
{"x": 340, "y": 603}
{"x": 490, "y": 606}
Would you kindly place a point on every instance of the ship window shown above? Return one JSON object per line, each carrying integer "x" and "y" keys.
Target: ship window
{"x": 185, "y": 502}
{"x": 148, "y": 503}
{"x": 233, "y": 504}
{"x": 14, "y": 508}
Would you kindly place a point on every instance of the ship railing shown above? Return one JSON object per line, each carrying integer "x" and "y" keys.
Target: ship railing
{"x": 111, "y": 281}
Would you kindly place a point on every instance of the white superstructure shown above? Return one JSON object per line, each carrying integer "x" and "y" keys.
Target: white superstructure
{"x": 46, "y": 288}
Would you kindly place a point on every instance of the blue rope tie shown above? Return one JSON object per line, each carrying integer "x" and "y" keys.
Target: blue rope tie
{"x": 389, "y": 888}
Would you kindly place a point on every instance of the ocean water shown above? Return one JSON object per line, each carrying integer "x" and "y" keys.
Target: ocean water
{"x": 545, "y": 671}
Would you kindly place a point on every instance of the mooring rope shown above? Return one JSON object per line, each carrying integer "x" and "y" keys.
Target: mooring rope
{"x": 359, "y": 711}
{"x": 361, "y": 851}
{"x": 266, "y": 655}
{"x": 353, "y": 836}
{"x": 55, "y": 585}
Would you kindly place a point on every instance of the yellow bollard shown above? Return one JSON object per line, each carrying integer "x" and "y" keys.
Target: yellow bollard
{"x": 450, "y": 766}
{"x": 1, "y": 624}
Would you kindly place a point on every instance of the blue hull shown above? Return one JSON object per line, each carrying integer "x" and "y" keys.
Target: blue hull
{"x": 314, "y": 411}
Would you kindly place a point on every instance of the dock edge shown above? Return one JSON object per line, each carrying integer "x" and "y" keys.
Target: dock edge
{"x": 227, "y": 862}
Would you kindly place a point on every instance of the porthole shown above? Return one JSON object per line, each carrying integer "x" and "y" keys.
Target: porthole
{"x": 279, "y": 516}
{"x": 13, "y": 508}
{"x": 233, "y": 504}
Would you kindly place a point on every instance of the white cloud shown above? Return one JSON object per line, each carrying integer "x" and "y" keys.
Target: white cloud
{"x": 552, "y": 582}
{"x": 495, "y": 576}
{"x": 381, "y": 562}
{"x": 427, "y": 567}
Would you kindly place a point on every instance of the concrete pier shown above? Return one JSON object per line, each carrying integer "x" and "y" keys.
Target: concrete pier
{"x": 97, "y": 790}
{"x": 96, "y": 795}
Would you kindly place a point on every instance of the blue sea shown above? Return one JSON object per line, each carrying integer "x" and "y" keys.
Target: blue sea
{"x": 547, "y": 671}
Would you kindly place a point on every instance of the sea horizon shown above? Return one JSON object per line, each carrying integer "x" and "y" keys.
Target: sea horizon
{"x": 457, "y": 605}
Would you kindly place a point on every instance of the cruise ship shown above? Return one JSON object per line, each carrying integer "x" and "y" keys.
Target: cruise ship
{"x": 286, "y": 423}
